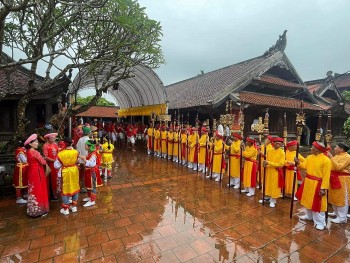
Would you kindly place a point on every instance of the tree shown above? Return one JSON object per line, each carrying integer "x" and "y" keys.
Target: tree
{"x": 346, "y": 95}
{"x": 86, "y": 101}
{"x": 93, "y": 37}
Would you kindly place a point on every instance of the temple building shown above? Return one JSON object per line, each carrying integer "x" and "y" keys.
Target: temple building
{"x": 267, "y": 83}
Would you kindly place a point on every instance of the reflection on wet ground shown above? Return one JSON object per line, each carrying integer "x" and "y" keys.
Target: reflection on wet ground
{"x": 154, "y": 210}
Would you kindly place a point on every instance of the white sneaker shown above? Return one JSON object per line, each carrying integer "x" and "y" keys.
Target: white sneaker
{"x": 89, "y": 203}
{"x": 319, "y": 227}
{"x": 245, "y": 191}
{"x": 217, "y": 179}
{"x": 74, "y": 209}
{"x": 195, "y": 169}
{"x": 208, "y": 176}
{"x": 236, "y": 186}
{"x": 272, "y": 204}
{"x": 64, "y": 211}
{"x": 305, "y": 217}
{"x": 348, "y": 215}
{"x": 230, "y": 185}
{"x": 257, "y": 187}
{"x": 86, "y": 199}
{"x": 295, "y": 199}
{"x": 337, "y": 221}
{"x": 21, "y": 201}
{"x": 331, "y": 214}
{"x": 249, "y": 194}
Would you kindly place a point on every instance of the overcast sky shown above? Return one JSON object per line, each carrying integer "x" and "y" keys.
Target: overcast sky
{"x": 208, "y": 35}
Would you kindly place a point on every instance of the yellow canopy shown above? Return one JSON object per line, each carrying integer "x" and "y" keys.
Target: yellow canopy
{"x": 158, "y": 109}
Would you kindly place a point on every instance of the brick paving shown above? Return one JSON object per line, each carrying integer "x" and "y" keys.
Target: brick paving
{"x": 156, "y": 211}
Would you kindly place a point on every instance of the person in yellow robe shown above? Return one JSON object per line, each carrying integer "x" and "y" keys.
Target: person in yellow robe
{"x": 269, "y": 147}
{"x": 176, "y": 144}
{"x": 150, "y": 134}
{"x": 274, "y": 173}
{"x": 235, "y": 158}
{"x": 312, "y": 193}
{"x": 163, "y": 141}
{"x": 184, "y": 146}
{"x": 157, "y": 141}
{"x": 107, "y": 157}
{"x": 170, "y": 140}
{"x": 193, "y": 149}
{"x": 203, "y": 151}
{"x": 67, "y": 161}
{"x": 289, "y": 168}
{"x": 218, "y": 158}
{"x": 250, "y": 167}
{"x": 339, "y": 191}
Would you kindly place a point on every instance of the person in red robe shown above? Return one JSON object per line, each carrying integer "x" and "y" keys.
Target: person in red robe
{"x": 50, "y": 150}
{"x": 38, "y": 200}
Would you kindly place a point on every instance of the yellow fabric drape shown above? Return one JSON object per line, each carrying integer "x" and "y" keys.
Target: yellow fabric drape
{"x": 158, "y": 109}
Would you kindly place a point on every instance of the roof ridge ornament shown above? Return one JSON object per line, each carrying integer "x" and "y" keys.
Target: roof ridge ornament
{"x": 280, "y": 45}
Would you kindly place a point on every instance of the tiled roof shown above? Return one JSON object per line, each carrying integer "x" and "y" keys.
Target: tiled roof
{"x": 275, "y": 101}
{"x": 343, "y": 81}
{"x": 313, "y": 87}
{"x": 198, "y": 90}
{"x": 18, "y": 83}
{"x": 100, "y": 112}
{"x": 277, "y": 81}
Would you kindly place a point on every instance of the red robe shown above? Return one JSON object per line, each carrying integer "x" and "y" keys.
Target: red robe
{"x": 38, "y": 200}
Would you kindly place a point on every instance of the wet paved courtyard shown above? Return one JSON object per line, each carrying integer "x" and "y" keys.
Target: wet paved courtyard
{"x": 156, "y": 211}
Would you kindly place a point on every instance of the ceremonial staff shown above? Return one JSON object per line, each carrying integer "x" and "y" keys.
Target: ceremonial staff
{"x": 294, "y": 181}
{"x": 196, "y": 151}
{"x": 206, "y": 154}
{"x": 285, "y": 149}
{"x": 188, "y": 125}
{"x": 328, "y": 143}
{"x": 222, "y": 159}
{"x": 300, "y": 123}
{"x": 266, "y": 132}
{"x": 241, "y": 125}
{"x": 212, "y": 149}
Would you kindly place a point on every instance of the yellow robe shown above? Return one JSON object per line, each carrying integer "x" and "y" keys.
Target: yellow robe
{"x": 235, "y": 153}
{"x": 275, "y": 158}
{"x": 107, "y": 156}
{"x": 202, "y": 148}
{"x": 341, "y": 163}
{"x": 70, "y": 172}
{"x": 184, "y": 145}
{"x": 150, "y": 133}
{"x": 249, "y": 153}
{"x": 318, "y": 166}
{"x": 218, "y": 160}
{"x": 170, "y": 143}
{"x": 163, "y": 135}
{"x": 156, "y": 140}
{"x": 290, "y": 155}
{"x": 192, "y": 144}
{"x": 269, "y": 147}
{"x": 176, "y": 143}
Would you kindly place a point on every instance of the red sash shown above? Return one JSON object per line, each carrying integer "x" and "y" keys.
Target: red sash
{"x": 235, "y": 155}
{"x": 316, "y": 204}
{"x": 280, "y": 177}
{"x": 291, "y": 167}
{"x": 254, "y": 170}
{"x": 195, "y": 158}
{"x": 183, "y": 150}
{"x": 150, "y": 142}
{"x": 334, "y": 179}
